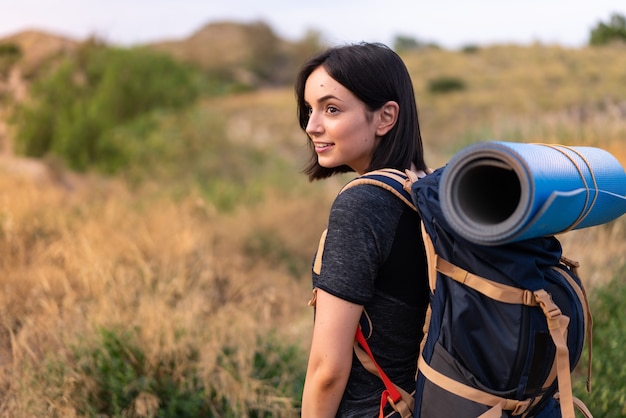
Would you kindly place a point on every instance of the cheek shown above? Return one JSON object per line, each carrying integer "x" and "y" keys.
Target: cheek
{"x": 357, "y": 131}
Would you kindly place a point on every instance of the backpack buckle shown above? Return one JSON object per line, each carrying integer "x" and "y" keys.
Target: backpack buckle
{"x": 528, "y": 298}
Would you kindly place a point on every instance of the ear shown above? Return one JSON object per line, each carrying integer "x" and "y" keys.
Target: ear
{"x": 388, "y": 116}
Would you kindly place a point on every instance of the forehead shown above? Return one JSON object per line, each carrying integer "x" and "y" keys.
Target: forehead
{"x": 320, "y": 84}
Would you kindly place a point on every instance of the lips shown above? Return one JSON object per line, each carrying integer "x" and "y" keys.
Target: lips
{"x": 320, "y": 146}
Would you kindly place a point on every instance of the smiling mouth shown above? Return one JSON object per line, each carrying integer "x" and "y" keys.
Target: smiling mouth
{"x": 322, "y": 145}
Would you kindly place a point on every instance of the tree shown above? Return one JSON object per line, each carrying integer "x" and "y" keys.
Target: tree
{"x": 604, "y": 33}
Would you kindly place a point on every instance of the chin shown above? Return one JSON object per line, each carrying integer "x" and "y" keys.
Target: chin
{"x": 327, "y": 164}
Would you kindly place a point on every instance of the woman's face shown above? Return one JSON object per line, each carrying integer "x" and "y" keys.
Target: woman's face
{"x": 341, "y": 128}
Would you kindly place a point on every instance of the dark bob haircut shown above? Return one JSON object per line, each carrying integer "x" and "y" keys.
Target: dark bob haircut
{"x": 375, "y": 74}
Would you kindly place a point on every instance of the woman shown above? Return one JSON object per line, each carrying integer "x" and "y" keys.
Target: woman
{"x": 357, "y": 106}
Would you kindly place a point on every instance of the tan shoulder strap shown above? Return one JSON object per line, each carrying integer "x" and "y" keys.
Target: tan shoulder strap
{"x": 397, "y": 176}
{"x": 582, "y": 295}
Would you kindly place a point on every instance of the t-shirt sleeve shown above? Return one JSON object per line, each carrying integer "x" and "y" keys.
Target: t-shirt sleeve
{"x": 361, "y": 229}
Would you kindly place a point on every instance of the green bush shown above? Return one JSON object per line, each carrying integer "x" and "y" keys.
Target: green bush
{"x": 605, "y": 33}
{"x": 121, "y": 374}
{"x": 191, "y": 150}
{"x": 280, "y": 370}
{"x": 445, "y": 85}
{"x": 74, "y": 108}
{"x": 608, "y": 389}
{"x": 470, "y": 49}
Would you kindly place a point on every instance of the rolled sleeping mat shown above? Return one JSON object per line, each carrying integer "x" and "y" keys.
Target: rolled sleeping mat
{"x": 495, "y": 192}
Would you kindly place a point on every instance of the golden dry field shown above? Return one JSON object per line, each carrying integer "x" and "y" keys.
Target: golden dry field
{"x": 199, "y": 289}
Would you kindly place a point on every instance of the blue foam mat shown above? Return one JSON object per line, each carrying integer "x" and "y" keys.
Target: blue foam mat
{"x": 498, "y": 192}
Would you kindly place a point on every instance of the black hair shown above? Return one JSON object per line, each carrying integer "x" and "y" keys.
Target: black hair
{"x": 375, "y": 74}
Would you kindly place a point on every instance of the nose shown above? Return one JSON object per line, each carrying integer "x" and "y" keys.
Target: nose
{"x": 314, "y": 125}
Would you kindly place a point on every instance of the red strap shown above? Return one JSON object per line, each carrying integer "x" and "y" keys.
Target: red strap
{"x": 383, "y": 403}
{"x": 391, "y": 391}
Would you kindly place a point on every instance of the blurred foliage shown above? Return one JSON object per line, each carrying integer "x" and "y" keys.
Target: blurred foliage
{"x": 614, "y": 30}
{"x": 404, "y": 43}
{"x": 470, "y": 48}
{"x": 608, "y": 391}
{"x": 73, "y": 109}
{"x": 119, "y": 381}
{"x": 190, "y": 150}
{"x": 445, "y": 84}
{"x": 10, "y": 53}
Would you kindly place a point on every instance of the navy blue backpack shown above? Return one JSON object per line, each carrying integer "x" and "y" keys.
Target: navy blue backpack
{"x": 505, "y": 327}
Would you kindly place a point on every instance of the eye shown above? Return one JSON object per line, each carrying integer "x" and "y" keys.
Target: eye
{"x": 332, "y": 109}
{"x": 309, "y": 111}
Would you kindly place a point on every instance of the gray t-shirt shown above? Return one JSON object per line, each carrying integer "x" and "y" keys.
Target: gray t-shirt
{"x": 374, "y": 256}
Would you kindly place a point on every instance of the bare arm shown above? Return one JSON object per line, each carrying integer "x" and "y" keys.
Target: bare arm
{"x": 330, "y": 359}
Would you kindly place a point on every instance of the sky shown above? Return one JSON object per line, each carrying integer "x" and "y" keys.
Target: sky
{"x": 448, "y": 23}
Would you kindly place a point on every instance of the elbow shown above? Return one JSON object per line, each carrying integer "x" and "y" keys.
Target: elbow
{"x": 331, "y": 380}
{"x": 322, "y": 395}
{"x": 327, "y": 380}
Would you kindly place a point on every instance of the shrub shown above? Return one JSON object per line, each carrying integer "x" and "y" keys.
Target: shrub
{"x": 92, "y": 92}
{"x": 470, "y": 49}
{"x": 124, "y": 381}
{"x": 445, "y": 85}
{"x": 122, "y": 376}
{"x": 608, "y": 396}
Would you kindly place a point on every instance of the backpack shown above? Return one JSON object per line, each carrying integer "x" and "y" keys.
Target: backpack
{"x": 505, "y": 327}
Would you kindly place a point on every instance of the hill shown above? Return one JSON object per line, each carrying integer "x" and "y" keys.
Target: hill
{"x": 38, "y": 47}
{"x": 252, "y": 53}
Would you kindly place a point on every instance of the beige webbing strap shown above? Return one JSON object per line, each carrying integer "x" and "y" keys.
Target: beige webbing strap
{"x": 313, "y": 301}
{"x": 551, "y": 376}
{"x": 580, "y": 405}
{"x": 405, "y": 179}
{"x": 470, "y": 393}
{"x": 582, "y": 295}
{"x": 557, "y": 324}
{"x": 495, "y": 412}
{"x": 429, "y": 314}
{"x": 497, "y": 291}
{"x": 432, "y": 280}
{"x": 317, "y": 264}
{"x": 382, "y": 184}
{"x": 431, "y": 257}
{"x": 582, "y": 408}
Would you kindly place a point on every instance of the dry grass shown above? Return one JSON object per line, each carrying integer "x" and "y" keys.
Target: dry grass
{"x": 174, "y": 273}
{"x": 530, "y": 94}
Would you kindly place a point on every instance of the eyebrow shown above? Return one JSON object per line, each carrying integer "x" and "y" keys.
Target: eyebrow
{"x": 326, "y": 98}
